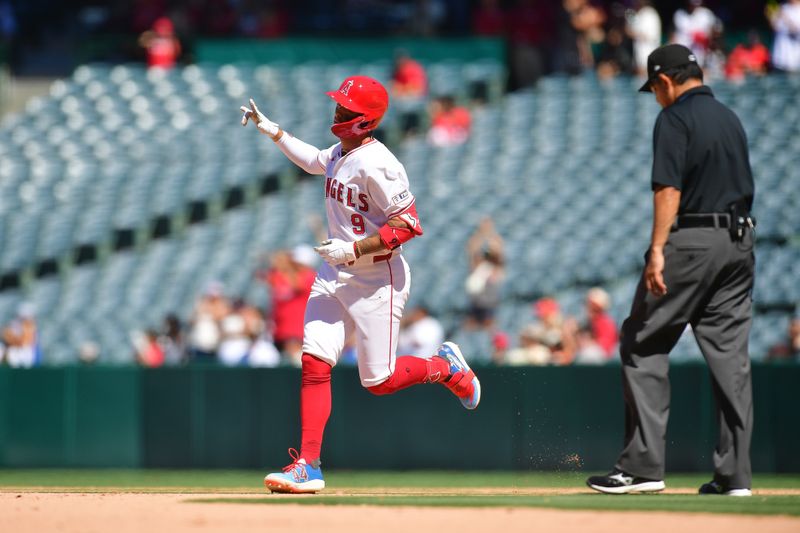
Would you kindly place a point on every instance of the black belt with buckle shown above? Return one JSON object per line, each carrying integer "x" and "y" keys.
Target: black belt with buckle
{"x": 702, "y": 220}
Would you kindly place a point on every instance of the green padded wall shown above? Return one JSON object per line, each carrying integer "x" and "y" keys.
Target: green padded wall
{"x": 301, "y": 50}
{"x": 551, "y": 418}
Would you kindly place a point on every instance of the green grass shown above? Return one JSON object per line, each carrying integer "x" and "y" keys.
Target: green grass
{"x": 760, "y": 505}
{"x": 356, "y": 488}
{"x": 235, "y": 479}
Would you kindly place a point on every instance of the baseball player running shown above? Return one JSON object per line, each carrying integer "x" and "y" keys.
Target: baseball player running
{"x": 363, "y": 284}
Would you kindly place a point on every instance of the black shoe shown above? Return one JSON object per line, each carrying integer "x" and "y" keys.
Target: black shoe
{"x": 712, "y": 487}
{"x": 618, "y": 482}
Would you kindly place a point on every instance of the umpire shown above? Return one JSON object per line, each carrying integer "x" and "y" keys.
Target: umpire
{"x": 699, "y": 271}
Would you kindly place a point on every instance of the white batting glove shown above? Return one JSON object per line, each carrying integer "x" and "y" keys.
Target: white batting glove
{"x": 264, "y": 125}
{"x": 336, "y": 251}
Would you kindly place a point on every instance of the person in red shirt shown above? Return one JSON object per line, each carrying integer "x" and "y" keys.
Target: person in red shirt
{"x": 450, "y": 124}
{"x": 149, "y": 352}
{"x": 747, "y": 59}
{"x": 289, "y": 278}
{"x": 162, "y": 46}
{"x": 409, "y": 79}
{"x": 602, "y": 327}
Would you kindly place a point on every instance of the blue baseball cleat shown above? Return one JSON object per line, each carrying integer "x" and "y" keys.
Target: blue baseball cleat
{"x": 462, "y": 380}
{"x": 297, "y": 478}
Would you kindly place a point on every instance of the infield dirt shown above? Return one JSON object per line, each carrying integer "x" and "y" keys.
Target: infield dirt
{"x": 98, "y": 512}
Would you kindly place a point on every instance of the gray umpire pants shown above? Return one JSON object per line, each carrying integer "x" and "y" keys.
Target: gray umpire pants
{"x": 709, "y": 282}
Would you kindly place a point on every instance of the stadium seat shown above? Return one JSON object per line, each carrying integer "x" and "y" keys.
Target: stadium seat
{"x": 113, "y": 147}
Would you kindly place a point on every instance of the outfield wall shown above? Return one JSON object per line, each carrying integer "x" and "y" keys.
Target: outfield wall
{"x": 334, "y": 51}
{"x": 208, "y": 417}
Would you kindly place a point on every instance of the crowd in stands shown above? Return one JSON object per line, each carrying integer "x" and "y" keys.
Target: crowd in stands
{"x": 227, "y": 331}
{"x": 565, "y": 36}
{"x": 555, "y": 339}
{"x": 789, "y": 348}
{"x": 615, "y": 38}
{"x": 569, "y": 36}
{"x": 232, "y": 332}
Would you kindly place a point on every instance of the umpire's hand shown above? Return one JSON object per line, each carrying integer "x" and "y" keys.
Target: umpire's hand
{"x": 654, "y": 273}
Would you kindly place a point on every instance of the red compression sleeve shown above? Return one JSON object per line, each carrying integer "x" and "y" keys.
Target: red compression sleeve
{"x": 315, "y": 405}
{"x": 393, "y": 237}
{"x": 412, "y": 370}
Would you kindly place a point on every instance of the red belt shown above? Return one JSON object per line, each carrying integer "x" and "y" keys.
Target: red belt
{"x": 376, "y": 258}
{"x": 384, "y": 257}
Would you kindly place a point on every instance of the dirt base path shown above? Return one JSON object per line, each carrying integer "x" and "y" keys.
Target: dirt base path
{"x": 37, "y": 512}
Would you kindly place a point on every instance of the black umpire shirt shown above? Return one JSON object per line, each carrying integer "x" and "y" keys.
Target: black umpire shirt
{"x": 700, "y": 148}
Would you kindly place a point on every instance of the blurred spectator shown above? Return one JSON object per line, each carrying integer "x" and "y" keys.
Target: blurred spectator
{"x": 172, "y": 341}
{"x": 615, "y": 56}
{"x": 532, "y": 349}
{"x": 204, "y": 326}
{"x": 161, "y": 44}
{"x": 578, "y": 24}
{"x": 88, "y": 352}
{"x": 529, "y": 33}
{"x": 486, "y": 251}
{"x": 587, "y": 351}
{"x": 420, "y": 333}
{"x": 747, "y": 59}
{"x": 500, "y": 347}
{"x": 450, "y": 124}
{"x": 409, "y": 88}
{"x": 149, "y": 352}
{"x": 489, "y": 18}
{"x": 264, "y": 20}
{"x": 263, "y": 352}
{"x": 558, "y": 333}
{"x": 601, "y": 327}
{"x": 236, "y": 340}
{"x": 409, "y": 80}
{"x": 715, "y": 58}
{"x": 789, "y": 349}
{"x": 21, "y": 339}
{"x": 694, "y": 28}
{"x": 289, "y": 278}
{"x": 786, "y": 23}
{"x": 644, "y": 28}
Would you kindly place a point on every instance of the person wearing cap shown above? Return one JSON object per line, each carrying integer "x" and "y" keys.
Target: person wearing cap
{"x": 21, "y": 338}
{"x": 204, "y": 325}
{"x": 290, "y": 278}
{"x": 601, "y": 327}
{"x": 699, "y": 272}
{"x": 162, "y": 46}
{"x": 694, "y": 27}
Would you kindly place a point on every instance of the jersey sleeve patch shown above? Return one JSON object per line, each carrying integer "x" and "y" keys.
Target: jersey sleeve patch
{"x": 399, "y": 198}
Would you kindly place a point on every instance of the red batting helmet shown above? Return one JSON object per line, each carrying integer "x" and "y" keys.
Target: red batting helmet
{"x": 363, "y": 95}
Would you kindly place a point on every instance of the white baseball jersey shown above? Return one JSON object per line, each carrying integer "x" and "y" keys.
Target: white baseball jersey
{"x": 363, "y": 189}
{"x": 365, "y": 300}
